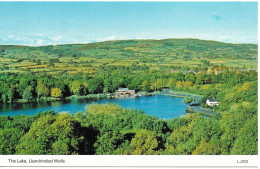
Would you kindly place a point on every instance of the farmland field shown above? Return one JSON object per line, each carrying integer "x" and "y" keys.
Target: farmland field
{"x": 168, "y": 54}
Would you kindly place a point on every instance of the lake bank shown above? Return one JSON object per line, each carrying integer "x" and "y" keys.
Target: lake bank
{"x": 50, "y": 101}
{"x": 104, "y": 95}
{"x": 161, "y": 106}
{"x": 202, "y": 111}
{"x": 191, "y": 109}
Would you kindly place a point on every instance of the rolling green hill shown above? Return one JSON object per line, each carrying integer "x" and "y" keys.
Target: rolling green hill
{"x": 157, "y": 54}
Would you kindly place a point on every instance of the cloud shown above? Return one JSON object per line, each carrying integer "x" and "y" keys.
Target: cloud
{"x": 44, "y": 39}
{"x": 241, "y": 39}
{"x": 39, "y": 42}
{"x": 56, "y": 38}
{"x": 108, "y": 38}
{"x": 228, "y": 37}
{"x": 11, "y": 36}
{"x": 31, "y": 40}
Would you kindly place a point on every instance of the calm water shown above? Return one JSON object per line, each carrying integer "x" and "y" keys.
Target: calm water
{"x": 160, "y": 106}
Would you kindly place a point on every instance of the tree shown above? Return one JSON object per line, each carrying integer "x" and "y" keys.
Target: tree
{"x": 145, "y": 86}
{"x": 4, "y": 97}
{"x": 171, "y": 83}
{"x": 153, "y": 86}
{"x": 9, "y": 138}
{"x": 85, "y": 88}
{"x": 159, "y": 83}
{"x": 11, "y": 130}
{"x": 190, "y": 77}
{"x": 105, "y": 90}
{"x": 144, "y": 143}
{"x": 11, "y": 94}
{"x": 206, "y": 148}
{"x": 246, "y": 143}
{"x": 107, "y": 109}
{"x": 180, "y": 140}
{"x": 108, "y": 85}
{"x": 115, "y": 83}
{"x": 178, "y": 85}
{"x": 187, "y": 84}
{"x": 42, "y": 89}
{"x": 95, "y": 86}
{"x": 245, "y": 87}
{"x": 56, "y": 92}
{"x": 188, "y": 100}
{"x": 27, "y": 94}
{"x": 108, "y": 142}
{"x": 76, "y": 87}
{"x": 53, "y": 134}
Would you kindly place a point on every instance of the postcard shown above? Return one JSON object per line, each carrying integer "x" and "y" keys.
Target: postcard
{"x": 128, "y": 84}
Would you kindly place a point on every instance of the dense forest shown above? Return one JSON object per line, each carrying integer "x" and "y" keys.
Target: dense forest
{"x": 207, "y": 68}
{"x": 32, "y": 87}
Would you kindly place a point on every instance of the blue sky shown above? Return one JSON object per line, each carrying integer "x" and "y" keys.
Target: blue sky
{"x": 43, "y": 23}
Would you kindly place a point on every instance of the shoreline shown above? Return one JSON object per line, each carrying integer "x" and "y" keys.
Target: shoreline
{"x": 190, "y": 109}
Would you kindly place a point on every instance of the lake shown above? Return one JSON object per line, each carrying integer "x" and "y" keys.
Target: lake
{"x": 161, "y": 106}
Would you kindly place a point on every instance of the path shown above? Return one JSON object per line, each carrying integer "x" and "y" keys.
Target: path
{"x": 192, "y": 109}
{"x": 200, "y": 110}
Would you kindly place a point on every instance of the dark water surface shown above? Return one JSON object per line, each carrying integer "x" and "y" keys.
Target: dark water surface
{"x": 161, "y": 106}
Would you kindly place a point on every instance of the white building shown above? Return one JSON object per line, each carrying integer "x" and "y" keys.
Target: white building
{"x": 212, "y": 101}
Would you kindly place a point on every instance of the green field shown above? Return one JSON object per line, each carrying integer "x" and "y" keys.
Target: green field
{"x": 168, "y": 54}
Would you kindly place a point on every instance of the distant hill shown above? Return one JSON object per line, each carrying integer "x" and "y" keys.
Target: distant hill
{"x": 179, "y": 48}
{"x": 157, "y": 54}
